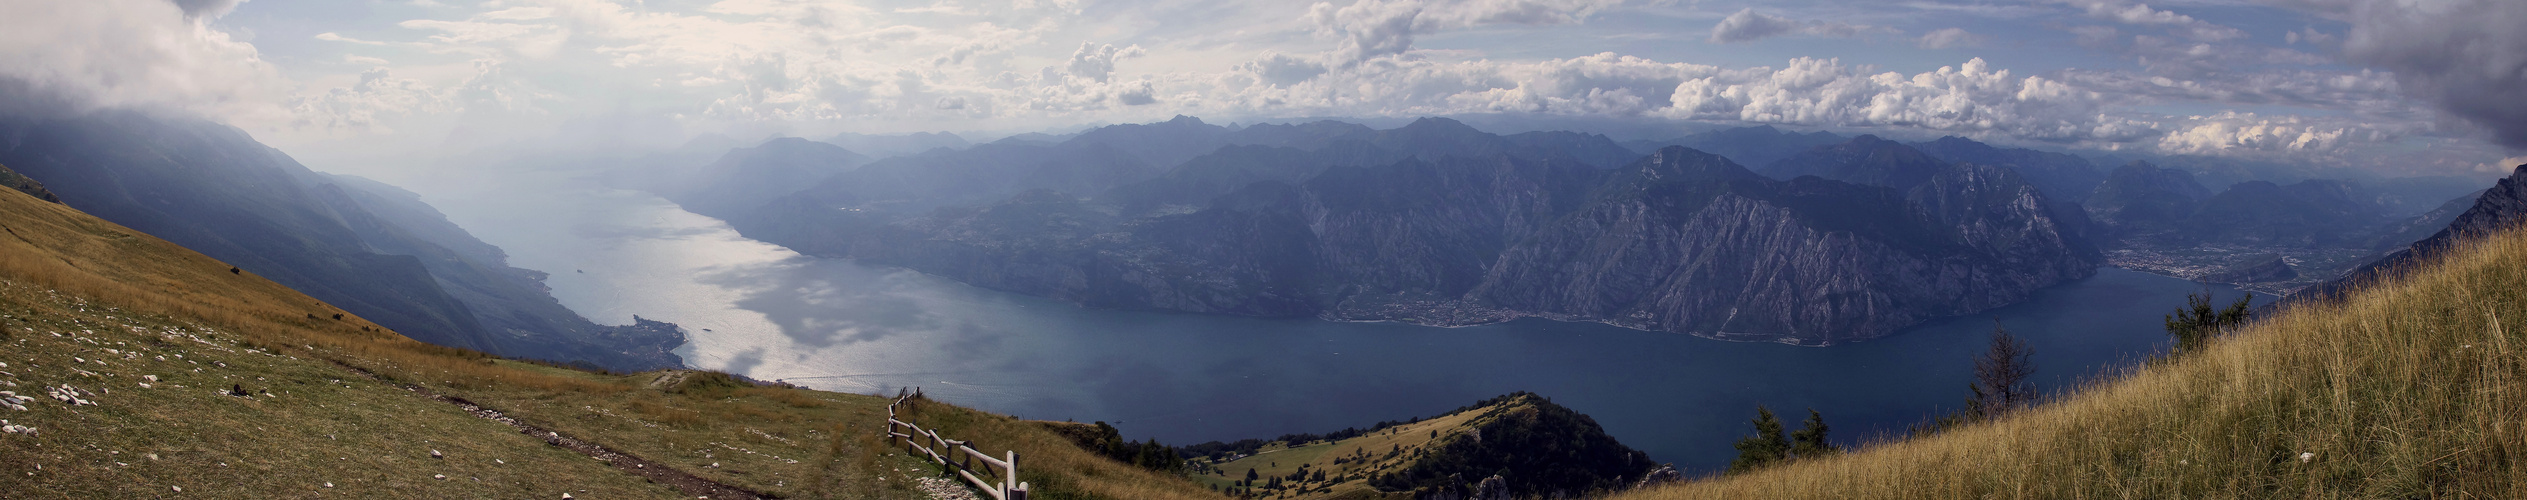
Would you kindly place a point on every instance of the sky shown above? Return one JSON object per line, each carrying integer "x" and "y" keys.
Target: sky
{"x": 2421, "y": 87}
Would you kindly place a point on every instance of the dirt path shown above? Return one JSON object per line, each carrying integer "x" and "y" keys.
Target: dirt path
{"x": 654, "y": 471}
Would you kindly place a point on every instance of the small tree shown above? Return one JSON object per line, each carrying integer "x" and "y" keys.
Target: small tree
{"x": 1764, "y": 448}
{"x": 2000, "y": 376}
{"x": 1809, "y": 441}
{"x": 2195, "y": 324}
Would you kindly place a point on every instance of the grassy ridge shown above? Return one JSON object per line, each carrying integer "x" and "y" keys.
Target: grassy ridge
{"x": 2410, "y": 388}
{"x": 73, "y": 286}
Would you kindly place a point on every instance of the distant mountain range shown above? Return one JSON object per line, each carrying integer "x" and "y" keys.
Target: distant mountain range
{"x": 1438, "y": 223}
{"x": 371, "y": 249}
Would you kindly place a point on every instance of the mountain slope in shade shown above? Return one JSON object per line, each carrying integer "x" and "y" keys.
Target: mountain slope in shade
{"x": 1758, "y": 145}
{"x": 2501, "y": 208}
{"x": 217, "y": 191}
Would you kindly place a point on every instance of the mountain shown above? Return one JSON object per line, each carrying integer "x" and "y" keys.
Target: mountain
{"x": 1521, "y": 444}
{"x": 2062, "y": 177}
{"x": 119, "y": 342}
{"x": 1758, "y": 145}
{"x": 2312, "y": 213}
{"x": 1683, "y": 241}
{"x": 215, "y": 190}
{"x": 1863, "y": 160}
{"x": 2141, "y": 201}
{"x": 743, "y": 178}
{"x": 2404, "y": 233}
{"x": 889, "y": 146}
{"x": 2494, "y": 211}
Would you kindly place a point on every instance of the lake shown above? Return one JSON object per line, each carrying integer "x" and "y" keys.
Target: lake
{"x": 760, "y": 310}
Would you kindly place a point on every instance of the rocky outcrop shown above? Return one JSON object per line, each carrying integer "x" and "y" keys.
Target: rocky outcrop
{"x": 23, "y": 184}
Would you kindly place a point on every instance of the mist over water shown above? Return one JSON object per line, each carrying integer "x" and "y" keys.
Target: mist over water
{"x": 763, "y": 311}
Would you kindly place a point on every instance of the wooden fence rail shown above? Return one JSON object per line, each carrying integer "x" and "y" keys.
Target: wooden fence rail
{"x": 960, "y": 455}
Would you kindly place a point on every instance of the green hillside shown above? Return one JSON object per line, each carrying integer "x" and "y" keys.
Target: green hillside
{"x": 147, "y": 370}
{"x": 2408, "y": 388}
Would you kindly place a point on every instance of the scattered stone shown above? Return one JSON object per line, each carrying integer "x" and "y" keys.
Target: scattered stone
{"x": 2305, "y": 457}
{"x": 441, "y": 477}
{"x": 329, "y": 484}
{"x": 178, "y": 489}
{"x": 152, "y": 378}
{"x": 435, "y": 454}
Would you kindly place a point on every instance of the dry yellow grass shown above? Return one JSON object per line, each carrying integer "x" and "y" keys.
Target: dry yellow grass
{"x": 2407, "y": 389}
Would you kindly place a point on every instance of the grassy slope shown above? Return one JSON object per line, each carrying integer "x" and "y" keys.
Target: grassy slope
{"x": 2408, "y": 389}
{"x": 1392, "y": 449}
{"x": 72, "y": 286}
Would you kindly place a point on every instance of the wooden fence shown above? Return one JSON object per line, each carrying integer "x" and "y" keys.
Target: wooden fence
{"x": 1008, "y": 487}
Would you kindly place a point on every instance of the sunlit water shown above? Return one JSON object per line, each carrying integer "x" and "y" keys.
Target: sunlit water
{"x": 760, "y": 310}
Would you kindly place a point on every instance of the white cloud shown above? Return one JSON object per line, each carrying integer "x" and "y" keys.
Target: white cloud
{"x": 1950, "y": 38}
{"x": 135, "y": 53}
{"x": 1375, "y": 28}
{"x": 2142, "y": 14}
{"x": 1971, "y": 98}
{"x": 1747, "y": 25}
{"x": 1096, "y": 62}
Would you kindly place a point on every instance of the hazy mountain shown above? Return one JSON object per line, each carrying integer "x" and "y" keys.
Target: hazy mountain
{"x": 373, "y": 252}
{"x": 2503, "y": 207}
{"x": 1758, "y": 145}
{"x": 2311, "y": 213}
{"x": 1864, "y": 160}
{"x": 745, "y": 178}
{"x": 2416, "y": 228}
{"x": 888, "y": 146}
{"x": 2140, "y": 200}
{"x": 2061, "y": 176}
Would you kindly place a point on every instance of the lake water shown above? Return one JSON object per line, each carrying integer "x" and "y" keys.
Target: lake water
{"x": 762, "y": 311}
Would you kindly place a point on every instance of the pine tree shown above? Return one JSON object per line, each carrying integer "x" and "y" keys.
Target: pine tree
{"x": 1764, "y": 448}
{"x": 2195, "y": 324}
{"x": 1809, "y": 441}
{"x": 2000, "y": 376}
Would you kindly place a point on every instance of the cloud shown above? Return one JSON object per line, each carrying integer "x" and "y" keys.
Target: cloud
{"x": 135, "y": 53}
{"x": 1374, "y": 28}
{"x": 1747, "y": 26}
{"x": 2142, "y": 14}
{"x": 1096, "y": 62}
{"x": 1950, "y": 38}
{"x": 1971, "y": 98}
{"x": 2467, "y": 57}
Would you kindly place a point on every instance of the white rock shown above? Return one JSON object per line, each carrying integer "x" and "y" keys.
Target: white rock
{"x": 441, "y": 477}
{"x": 2305, "y": 457}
